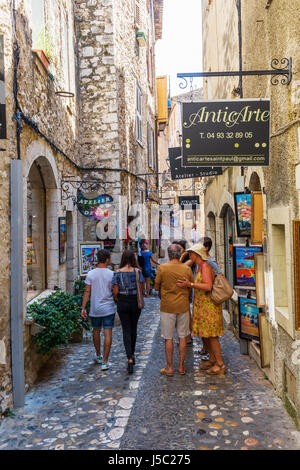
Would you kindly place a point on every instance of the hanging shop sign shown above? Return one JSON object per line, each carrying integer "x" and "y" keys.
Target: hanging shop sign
{"x": 189, "y": 202}
{"x": 226, "y": 133}
{"x": 2, "y": 92}
{"x": 179, "y": 172}
{"x": 95, "y": 208}
{"x": 249, "y": 318}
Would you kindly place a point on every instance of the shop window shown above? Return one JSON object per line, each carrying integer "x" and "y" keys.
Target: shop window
{"x": 279, "y": 263}
{"x": 139, "y": 134}
{"x": 38, "y": 24}
{"x": 36, "y": 240}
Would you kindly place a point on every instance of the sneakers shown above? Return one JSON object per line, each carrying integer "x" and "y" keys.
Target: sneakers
{"x": 105, "y": 365}
{"x": 98, "y": 359}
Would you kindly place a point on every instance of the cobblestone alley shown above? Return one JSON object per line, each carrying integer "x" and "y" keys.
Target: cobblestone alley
{"x": 76, "y": 406}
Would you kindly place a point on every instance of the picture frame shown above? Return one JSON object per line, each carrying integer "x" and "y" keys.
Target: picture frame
{"x": 259, "y": 266}
{"x": 244, "y": 268}
{"x": 62, "y": 231}
{"x": 88, "y": 256}
{"x": 248, "y": 319}
{"x": 257, "y": 218}
{"x": 296, "y": 248}
{"x": 242, "y": 203}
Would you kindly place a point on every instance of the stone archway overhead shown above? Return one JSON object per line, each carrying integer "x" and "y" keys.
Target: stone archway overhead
{"x": 210, "y": 207}
{"x": 254, "y": 179}
{"x": 41, "y": 154}
{"x": 226, "y": 200}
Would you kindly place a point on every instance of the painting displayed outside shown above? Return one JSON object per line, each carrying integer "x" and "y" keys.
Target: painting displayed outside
{"x": 62, "y": 228}
{"x": 244, "y": 272}
{"x": 88, "y": 256}
{"x": 242, "y": 203}
{"x": 249, "y": 324}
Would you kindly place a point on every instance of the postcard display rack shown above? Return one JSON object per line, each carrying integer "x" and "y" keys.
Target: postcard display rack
{"x": 249, "y": 265}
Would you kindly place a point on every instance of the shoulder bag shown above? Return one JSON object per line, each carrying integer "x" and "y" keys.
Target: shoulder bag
{"x": 140, "y": 297}
{"x": 221, "y": 289}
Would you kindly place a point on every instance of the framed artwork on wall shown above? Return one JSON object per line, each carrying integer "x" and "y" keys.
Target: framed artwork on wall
{"x": 296, "y": 246}
{"x": 257, "y": 218}
{"x": 244, "y": 268}
{"x": 242, "y": 202}
{"x": 88, "y": 256}
{"x": 248, "y": 318}
{"x": 259, "y": 267}
{"x": 62, "y": 230}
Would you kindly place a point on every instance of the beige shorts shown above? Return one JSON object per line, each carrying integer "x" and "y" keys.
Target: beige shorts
{"x": 171, "y": 321}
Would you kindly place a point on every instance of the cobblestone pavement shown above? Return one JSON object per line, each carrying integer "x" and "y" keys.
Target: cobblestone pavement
{"x": 76, "y": 406}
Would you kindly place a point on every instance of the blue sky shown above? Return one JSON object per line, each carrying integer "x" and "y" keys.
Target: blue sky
{"x": 180, "y": 49}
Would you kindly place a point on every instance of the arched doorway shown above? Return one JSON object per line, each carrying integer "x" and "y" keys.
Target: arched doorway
{"x": 254, "y": 183}
{"x": 229, "y": 236}
{"x": 211, "y": 232}
{"x": 41, "y": 228}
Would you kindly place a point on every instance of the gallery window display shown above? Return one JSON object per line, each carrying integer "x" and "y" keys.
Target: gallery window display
{"x": 36, "y": 240}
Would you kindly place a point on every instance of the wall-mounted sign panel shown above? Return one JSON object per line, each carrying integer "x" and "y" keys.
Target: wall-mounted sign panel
{"x": 2, "y": 92}
{"x": 179, "y": 172}
{"x": 95, "y": 208}
{"x": 226, "y": 133}
{"x": 189, "y": 202}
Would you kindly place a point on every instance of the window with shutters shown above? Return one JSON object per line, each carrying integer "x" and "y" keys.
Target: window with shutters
{"x": 137, "y": 13}
{"x": 151, "y": 147}
{"x": 139, "y": 134}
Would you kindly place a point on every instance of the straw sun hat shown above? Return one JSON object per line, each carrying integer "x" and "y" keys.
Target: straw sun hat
{"x": 200, "y": 250}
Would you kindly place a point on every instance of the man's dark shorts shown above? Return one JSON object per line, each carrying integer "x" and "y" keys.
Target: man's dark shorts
{"x": 103, "y": 322}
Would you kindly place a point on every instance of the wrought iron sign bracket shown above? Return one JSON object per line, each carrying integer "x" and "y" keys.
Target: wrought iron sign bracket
{"x": 279, "y": 68}
{"x": 70, "y": 188}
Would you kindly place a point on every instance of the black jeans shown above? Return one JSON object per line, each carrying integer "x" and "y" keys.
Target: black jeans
{"x": 129, "y": 314}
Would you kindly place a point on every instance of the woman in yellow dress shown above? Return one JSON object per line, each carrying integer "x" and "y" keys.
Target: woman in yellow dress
{"x": 207, "y": 317}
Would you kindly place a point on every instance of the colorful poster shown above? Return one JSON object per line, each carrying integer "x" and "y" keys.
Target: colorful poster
{"x": 62, "y": 230}
{"x": 88, "y": 256}
{"x": 248, "y": 313}
{"x": 242, "y": 203}
{"x": 244, "y": 273}
{"x": 31, "y": 254}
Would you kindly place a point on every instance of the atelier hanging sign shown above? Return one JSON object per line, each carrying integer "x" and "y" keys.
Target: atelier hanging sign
{"x": 189, "y": 202}
{"x": 226, "y": 133}
{"x": 95, "y": 208}
{"x": 179, "y": 172}
{"x": 2, "y": 92}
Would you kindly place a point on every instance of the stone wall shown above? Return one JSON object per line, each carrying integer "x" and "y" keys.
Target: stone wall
{"x": 267, "y": 33}
{"x": 56, "y": 119}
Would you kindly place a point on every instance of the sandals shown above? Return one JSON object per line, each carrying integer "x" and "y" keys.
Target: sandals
{"x": 164, "y": 372}
{"x": 220, "y": 371}
{"x": 206, "y": 365}
{"x": 182, "y": 373}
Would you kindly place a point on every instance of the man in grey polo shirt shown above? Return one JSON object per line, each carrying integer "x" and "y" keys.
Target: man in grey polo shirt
{"x": 102, "y": 310}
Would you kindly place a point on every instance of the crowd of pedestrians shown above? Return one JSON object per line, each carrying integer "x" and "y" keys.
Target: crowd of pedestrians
{"x": 187, "y": 278}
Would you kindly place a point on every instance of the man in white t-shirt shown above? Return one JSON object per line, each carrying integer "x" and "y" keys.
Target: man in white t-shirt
{"x": 102, "y": 308}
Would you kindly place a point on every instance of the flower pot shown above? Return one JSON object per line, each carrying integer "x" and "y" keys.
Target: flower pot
{"x": 42, "y": 57}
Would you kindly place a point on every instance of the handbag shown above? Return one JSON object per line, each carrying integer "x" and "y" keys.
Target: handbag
{"x": 140, "y": 297}
{"x": 221, "y": 289}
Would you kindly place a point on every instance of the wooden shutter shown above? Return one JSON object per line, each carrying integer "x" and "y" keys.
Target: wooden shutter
{"x": 137, "y": 13}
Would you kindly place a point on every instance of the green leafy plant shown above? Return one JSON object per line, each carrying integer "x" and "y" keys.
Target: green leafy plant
{"x": 60, "y": 314}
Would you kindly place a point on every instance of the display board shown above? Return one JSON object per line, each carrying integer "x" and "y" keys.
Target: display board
{"x": 257, "y": 217}
{"x": 248, "y": 321}
{"x": 88, "y": 256}
{"x": 244, "y": 268}
{"x": 242, "y": 202}
{"x": 62, "y": 230}
{"x": 226, "y": 133}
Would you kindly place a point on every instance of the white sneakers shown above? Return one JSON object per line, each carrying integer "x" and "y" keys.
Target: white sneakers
{"x": 99, "y": 360}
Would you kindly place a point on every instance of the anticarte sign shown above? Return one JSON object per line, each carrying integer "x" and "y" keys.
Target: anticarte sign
{"x": 2, "y": 92}
{"x": 226, "y": 133}
{"x": 95, "y": 208}
{"x": 179, "y": 172}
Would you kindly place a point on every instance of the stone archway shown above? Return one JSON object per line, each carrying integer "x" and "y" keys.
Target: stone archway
{"x": 41, "y": 208}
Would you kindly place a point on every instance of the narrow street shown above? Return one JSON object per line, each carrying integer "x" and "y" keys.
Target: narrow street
{"x": 76, "y": 406}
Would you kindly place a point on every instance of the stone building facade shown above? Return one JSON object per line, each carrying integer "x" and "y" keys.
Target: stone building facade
{"x": 268, "y": 31}
{"x": 117, "y": 128}
{"x": 71, "y": 68}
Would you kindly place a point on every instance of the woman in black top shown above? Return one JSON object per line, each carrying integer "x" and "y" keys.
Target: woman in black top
{"x": 125, "y": 290}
